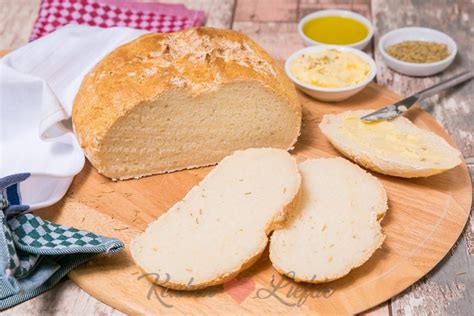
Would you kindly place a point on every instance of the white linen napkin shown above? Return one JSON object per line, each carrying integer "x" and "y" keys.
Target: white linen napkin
{"x": 38, "y": 83}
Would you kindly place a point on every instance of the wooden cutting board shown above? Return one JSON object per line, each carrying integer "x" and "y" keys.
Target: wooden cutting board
{"x": 425, "y": 218}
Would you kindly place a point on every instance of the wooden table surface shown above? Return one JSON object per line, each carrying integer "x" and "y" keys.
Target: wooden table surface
{"x": 449, "y": 287}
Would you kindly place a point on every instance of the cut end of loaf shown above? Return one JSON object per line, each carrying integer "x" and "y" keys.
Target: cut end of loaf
{"x": 221, "y": 225}
{"x": 167, "y": 102}
{"x": 179, "y": 131}
{"x": 336, "y": 225}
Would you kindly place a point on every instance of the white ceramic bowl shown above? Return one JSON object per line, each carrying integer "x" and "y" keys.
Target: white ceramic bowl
{"x": 417, "y": 34}
{"x": 344, "y": 13}
{"x": 330, "y": 94}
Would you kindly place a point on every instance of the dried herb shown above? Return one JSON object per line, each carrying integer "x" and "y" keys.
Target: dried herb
{"x": 419, "y": 52}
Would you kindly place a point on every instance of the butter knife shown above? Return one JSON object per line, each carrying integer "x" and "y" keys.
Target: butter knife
{"x": 395, "y": 110}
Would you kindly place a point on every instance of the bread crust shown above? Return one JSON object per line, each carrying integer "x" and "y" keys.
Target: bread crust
{"x": 194, "y": 61}
{"x": 371, "y": 160}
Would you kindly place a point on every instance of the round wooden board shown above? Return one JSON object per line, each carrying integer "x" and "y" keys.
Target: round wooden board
{"x": 425, "y": 218}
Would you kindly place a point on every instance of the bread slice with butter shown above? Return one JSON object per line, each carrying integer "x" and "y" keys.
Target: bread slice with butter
{"x": 221, "y": 226}
{"x": 167, "y": 102}
{"x": 396, "y": 147}
{"x": 336, "y": 225}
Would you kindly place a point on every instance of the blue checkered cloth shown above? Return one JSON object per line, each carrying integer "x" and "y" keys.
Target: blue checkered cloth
{"x": 35, "y": 253}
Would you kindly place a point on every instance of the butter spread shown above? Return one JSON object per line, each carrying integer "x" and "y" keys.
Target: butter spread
{"x": 330, "y": 69}
{"x": 387, "y": 139}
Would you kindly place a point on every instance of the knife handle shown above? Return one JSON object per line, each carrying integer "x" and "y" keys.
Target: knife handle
{"x": 444, "y": 84}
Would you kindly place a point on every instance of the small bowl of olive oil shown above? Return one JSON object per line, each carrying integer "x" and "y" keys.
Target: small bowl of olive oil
{"x": 336, "y": 27}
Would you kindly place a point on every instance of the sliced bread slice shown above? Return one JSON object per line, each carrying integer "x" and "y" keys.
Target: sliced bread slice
{"x": 396, "y": 147}
{"x": 221, "y": 225}
{"x": 336, "y": 226}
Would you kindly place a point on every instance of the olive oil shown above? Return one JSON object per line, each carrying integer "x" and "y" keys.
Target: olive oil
{"x": 335, "y": 30}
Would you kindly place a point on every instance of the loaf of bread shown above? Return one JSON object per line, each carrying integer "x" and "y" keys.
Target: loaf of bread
{"x": 221, "y": 225}
{"x": 336, "y": 225}
{"x": 395, "y": 147}
{"x": 166, "y": 102}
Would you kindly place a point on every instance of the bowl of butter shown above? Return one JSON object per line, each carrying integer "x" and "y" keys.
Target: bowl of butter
{"x": 330, "y": 73}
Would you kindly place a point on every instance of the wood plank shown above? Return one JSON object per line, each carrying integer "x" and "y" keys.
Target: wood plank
{"x": 266, "y": 11}
{"x": 271, "y": 35}
{"x": 308, "y": 6}
{"x": 66, "y": 298}
{"x": 16, "y": 22}
{"x": 448, "y": 289}
{"x": 380, "y": 310}
{"x": 270, "y": 24}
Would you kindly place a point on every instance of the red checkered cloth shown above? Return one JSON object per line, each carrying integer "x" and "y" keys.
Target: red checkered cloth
{"x": 150, "y": 16}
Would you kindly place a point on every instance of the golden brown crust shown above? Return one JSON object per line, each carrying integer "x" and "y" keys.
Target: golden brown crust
{"x": 194, "y": 60}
